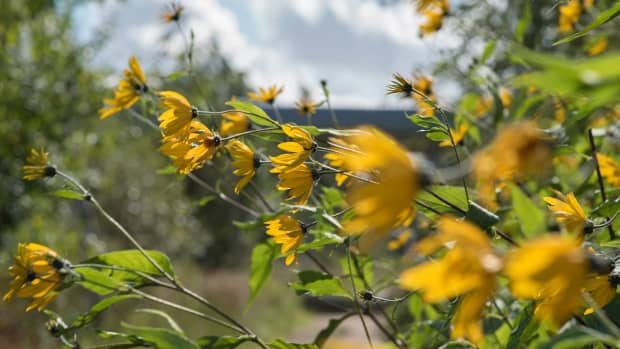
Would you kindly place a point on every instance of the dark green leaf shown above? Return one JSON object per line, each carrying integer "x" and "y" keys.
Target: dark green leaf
{"x": 260, "y": 268}
{"x": 601, "y": 19}
{"x": 578, "y": 336}
{"x": 321, "y": 239}
{"x": 524, "y": 326}
{"x": 161, "y": 338}
{"x": 221, "y": 342}
{"x": 319, "y": 284}
{"x": 531, "y": 217}
{"x": 68, "y": 194}
{"x": 253, "y": 112}
{"x": 325, "y": 333}
{"x": 481, "y": 216}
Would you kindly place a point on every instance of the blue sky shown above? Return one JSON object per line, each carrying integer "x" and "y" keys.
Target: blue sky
{"x": 355, "y": 44}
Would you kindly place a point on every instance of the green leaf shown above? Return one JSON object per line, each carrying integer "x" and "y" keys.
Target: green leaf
{"x": 68, "y": 194}
{"x": 531, "y": 217}
{"x": 319, "y": 284}
{"x": 523, "y": 23}
{"x": 453, "y": 194}
{"x": 608, "y": 208}
{"x": 167, "y": 170}
{"x": 260, "y": 267}
{"x": 359, "y": 265}
{"x": 280, "y": 344}
{"x": 161, "y": 338}
{"x": 97, "y": 281}
{"x": 134, "y": 260}
{"x": 524, "y": 326}
{"x": 425, "y": 122}
{"x": 578, "y": 336}
{"x": 481, "y": 216}
{"x": 204, "y": 200}
{"x": 601, "y": 19}
{"x": 253, "y": 112}
{"x": 221, "y": 342}
{"x": 98, "y": 308}
{"x": 321, "y": 239}
{"x": 489, "y": 48}
{"x": 437, "y": 134}
{"x": 173, "y": 324}
{"x": 325, "y": 333}
{"x": 177, "y": 75}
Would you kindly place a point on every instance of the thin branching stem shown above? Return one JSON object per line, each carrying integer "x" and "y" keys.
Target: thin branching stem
{"x": 612, "y": 234}
{"x": 358, "y": 308}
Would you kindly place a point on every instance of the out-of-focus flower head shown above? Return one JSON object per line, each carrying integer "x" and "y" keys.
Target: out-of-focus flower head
{"x": 468, "y": 269}
{"x": 599, "y": 46}
{"x": 386, "y": 200}
{"x": 305, "y": 107}
{"x": 172, "y": 12}
{"x": 602, "y": 288}
{"x": 38, "y": 166}
{"x": 569, "y": 16}
{"x": 458, "y": 136}
{"x": 551, "y": 270}
{"x": 518, "y": 150}
{"x": 234, "y": 123}
{"x": 128, "y": 91}
{"x": 434, "y": 13}
{"x": 610, "y": 169}
{"x": 268, "y": 95}
{"x": 505, "y": 96}
{"x": 340, "y": 149}
{"x": 191, "y": 151}
{"x": 36, "y": 272}
{"x": 288, "y": 232}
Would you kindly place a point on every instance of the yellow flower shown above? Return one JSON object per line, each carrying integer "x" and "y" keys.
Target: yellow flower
{"x": 400, "y": 241}
{"x": 559, "y": 110}
{"x": 568, "y": 212}
{"x": 424, "y": 84}
{"x": 38, "y": 166}
{"x": 299, "y": 149}
{"x": 517, "y": 150}
{"x": 299, "y": 182}
{"x": 233, "y": 123}
{"x": 288, "y": 232}
{"x": 386, "y": 202}
{"x": 305, "y": 107}
{"x": 434, "y": 21}
{"x": 191, "y": 151}
{"x": 483, "y": 105}
{"x": 457, "y": 136}
{"x": 588, "y": 3}
{"x": 569, "y": 16}
{"x": 598, "y": 47}
{"x": 336, "y": 159}
{"x": 400, "y": 85}
{"x": 128, "y": 92}
{"x": 245, "y": 162}
{"x": 178, "y": 116}
{"x": 602, "y": 290}
{"x": 469, "y": 269}
{"x": 172, "y": 13}
{"x": 610, "y": 169}
{"x": 36, "y": 273}
{"x": 266, "y": 95}
{"x": 551, "y": 270}
{"x": 505, "y": 96}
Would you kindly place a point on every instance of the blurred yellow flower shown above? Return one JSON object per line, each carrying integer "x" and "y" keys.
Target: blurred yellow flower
{"x": 433, "y": 21}
{"x": 234, "y": 123}
{"x": 505, "y": 96}
{"x": 172, "y": 13}
{"x": 400, "y": 85}
{"x": 386, "y": 200}
{"x": 245, "y": 162}
{"x": 610, "y": 169}
{"x": 305, "y": 107}
{"x": 588, "y": 3}
{"x": 266, "y": 95}
{"x": 128, "y": 92}
{"x": 299, "y": 181}
{"x": 598, "y": 47}
{"x": 483, "y": 105}
{"x": 551, "y": 270}
{"x": 602, "y": 290}
{"x": 569, "y": 16}
{"x": 340, "y": 149}
{"x": 177, "y": 118}
{"x": 288, "y": 232}
{"x": 568, "y": 212}
{"x": 299, "y": 150}
{"x": 559, "y": 110}
{"x": 400, "y": 241}
{"x": 469, "y": 269}
{"x": 517, "y": 150}
{"x": 190, "y": 152}
{"x": 38, "y": 166}
{"x": 457, "y": 136}
{"x": 36, "y": 273}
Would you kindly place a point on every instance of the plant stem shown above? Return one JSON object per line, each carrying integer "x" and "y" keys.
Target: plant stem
{"x": 612, "y": 234}
{"x": 222, "y": 196}
{"x": 358, "y": 308}
{"x": 249, "y": 133}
